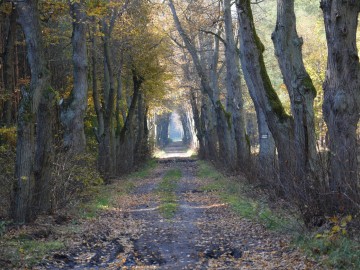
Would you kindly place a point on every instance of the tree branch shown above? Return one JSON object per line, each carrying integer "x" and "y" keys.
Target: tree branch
{"x": 214, "y": 34}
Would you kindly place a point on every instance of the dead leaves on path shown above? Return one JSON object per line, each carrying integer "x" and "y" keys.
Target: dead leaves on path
{"x": 204, "y": 234}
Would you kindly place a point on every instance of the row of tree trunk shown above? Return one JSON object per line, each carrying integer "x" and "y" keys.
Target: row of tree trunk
{"x": 221, "y": 128}
{"x": 121, "y": 132}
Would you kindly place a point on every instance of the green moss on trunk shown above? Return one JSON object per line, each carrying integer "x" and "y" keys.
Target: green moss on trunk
{"x": 309, "y": 85}
{"x": 227, "y": 114}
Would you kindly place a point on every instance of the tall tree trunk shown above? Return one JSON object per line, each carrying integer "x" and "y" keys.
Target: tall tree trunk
{"x": 223, "y": 119}
{"x": 96, "y": 96}
{"x": 24, "y": 186}
{"x": 235, "y": 105}
{"x": 197, "y": 122}
{"x": 162, "y": 126}
{"x": 107, "y": 139}
{"x": 74, "y": 110}
{"x": 186, "y": 139}
{"x": 140, "y": 140}
{"x": 263, "y": 93}
{"x": 9, "y": 69}
{"x": 210, "y": 131}
{"x": 300, "y": 88}
{"x": 125, "y": 152}
{"x": 44, "y": 152}
{"x": 341, "y": 105}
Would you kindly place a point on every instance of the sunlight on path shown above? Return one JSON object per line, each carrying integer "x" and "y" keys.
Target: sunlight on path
{"x": 174, "y": 150}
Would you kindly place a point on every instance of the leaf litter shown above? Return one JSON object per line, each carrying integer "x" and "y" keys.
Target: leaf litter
{"x": 132, "y": 234}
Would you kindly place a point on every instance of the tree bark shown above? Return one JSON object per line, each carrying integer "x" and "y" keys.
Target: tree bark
{"x": 300, "y": 88}
{"x": 210, "y": 131}
{"x": 9, "y": 69}
{"x": 162, "y": 129}
{"x": 263, "y": 93}
{"x": 197, "y": 122}
{"x": 96, "y": 96}
{"x": 342, "y": 93}
{"x": 235, "y": 105}
{"x": 107, "y": 148}
{"x": 74, "y": 108}
{"x": 127, "y": 140}
{"x": 140, "y": 146}
{"x": 24, "y": 173}
{"x": 267, "y": 156}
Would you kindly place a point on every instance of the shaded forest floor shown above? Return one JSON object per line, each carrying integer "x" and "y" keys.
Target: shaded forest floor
{"x": 167, "y": 216}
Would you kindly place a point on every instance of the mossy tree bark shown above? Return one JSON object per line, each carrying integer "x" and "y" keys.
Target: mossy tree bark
{"x": 341, "y": 105}
{"x": 28, "y": 115}
{"x": 74, "y": 108}
{"x": 235, "y": 104}
{"x": 300, "y": 88}
{"x": 263, "y": 94}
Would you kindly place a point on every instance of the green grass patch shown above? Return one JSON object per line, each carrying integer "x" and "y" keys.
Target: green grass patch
{"x": 103, "y": 197}
{"x": 25, "y": 252}
{"x": 232, "y": 192}
{"x": 168, "y": 209}
{"x": 166, "y": 189}
{"x": 145, "y": 170}
{"x": 338, "y": 253}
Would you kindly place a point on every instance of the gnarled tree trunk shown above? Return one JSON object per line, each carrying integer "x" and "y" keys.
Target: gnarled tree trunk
{"x": 28, "y": 114}
{"x": 341, "y": 105}
{"x": 300, "y": 88}
{"x": 263, "y": 93}
{"x": 74, "y": 110}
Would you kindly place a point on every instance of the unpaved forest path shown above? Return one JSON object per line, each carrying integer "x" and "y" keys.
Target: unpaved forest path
{"x": 204, "y": 233}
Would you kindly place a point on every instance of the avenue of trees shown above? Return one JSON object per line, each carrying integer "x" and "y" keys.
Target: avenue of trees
{"x": 225, "y": 48}
{"x": 92, "y": 84}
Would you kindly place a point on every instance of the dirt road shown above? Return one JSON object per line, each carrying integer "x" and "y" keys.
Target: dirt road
{"x": 203, "y": 233}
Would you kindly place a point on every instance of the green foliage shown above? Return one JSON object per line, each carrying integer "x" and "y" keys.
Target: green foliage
{"x": 338, "y": 253}
{"x": 166, "y": 190}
